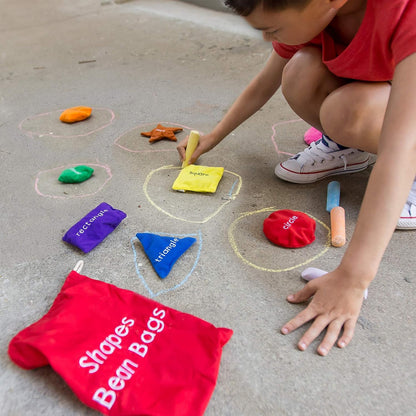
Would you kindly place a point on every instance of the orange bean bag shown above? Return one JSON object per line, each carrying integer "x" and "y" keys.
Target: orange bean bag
{"x": 74, "y": 114}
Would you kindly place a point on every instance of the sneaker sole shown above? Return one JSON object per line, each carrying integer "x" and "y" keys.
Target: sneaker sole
{"x": 406, "y": 223}
{"x": 308, "y": 177}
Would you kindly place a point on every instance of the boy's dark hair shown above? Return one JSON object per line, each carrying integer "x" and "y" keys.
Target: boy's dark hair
{"x": 246, "y": 7}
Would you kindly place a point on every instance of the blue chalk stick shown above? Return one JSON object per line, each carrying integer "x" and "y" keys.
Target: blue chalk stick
{"x": 333, "y": 195}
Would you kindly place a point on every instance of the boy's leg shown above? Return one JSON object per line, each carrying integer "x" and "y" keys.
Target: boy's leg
{"x": 306, "y": 83}
{"x": 351, "y": 113}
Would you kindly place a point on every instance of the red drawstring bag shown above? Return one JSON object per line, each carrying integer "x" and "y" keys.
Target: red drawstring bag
{"x": 122, "y": 353}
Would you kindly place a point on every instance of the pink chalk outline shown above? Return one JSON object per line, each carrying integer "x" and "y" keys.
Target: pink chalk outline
{"x": 33, "y": 134}
{"x": 60, "y": 168}
{"x": 273, "y": 138}
{"x": 167, "y": 123}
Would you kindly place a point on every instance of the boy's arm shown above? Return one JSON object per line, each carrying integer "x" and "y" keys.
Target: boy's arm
{"x": 337, "y": 296}
{"x": 255, "y": 95}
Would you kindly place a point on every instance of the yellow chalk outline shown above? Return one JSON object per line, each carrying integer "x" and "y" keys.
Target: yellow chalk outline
{"x": 232, "y": 196}
{"x": 272, "y": 209}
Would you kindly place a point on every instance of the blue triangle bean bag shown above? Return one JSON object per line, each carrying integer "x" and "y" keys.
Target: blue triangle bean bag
{"x": 164, "y": 251}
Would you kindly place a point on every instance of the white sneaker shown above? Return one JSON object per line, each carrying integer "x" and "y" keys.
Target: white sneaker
{"x": 407, "y": 220}
{"x": 321, "y": 159}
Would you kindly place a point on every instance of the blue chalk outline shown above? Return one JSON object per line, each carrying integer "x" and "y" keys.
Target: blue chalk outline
{"x": 230, "y": 194}
{"x": 152, "y": 294}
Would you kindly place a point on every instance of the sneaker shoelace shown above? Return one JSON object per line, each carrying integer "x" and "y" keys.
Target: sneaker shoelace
{"x": 412, "y": 195}
{"x": 319, "y": 152}
{"x": 409, "y": 210}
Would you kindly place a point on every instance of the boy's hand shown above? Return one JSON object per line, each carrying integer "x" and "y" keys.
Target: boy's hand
{"x": 206, "y": 143}
{"x": 335, "y": 305}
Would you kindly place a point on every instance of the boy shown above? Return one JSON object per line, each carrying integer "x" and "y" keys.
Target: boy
{"x": 348, "y": 68}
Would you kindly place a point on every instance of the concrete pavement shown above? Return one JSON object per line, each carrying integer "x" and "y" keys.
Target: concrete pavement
{"x": 142, "y": 62}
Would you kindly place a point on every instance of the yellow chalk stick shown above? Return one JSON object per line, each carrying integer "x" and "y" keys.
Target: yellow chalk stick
{"x": 337, "y": 226}
{"x": 193, "y": 141}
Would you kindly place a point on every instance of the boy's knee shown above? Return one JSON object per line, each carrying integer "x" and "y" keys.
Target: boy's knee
{"x": 340, "y": 122}
{"x": 302, "y": 72}
{"x": 349, "y": 109}
{"x": 348, "y": 123}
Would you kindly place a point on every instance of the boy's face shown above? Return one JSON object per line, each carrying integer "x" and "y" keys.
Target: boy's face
{"x": 292, "y": 26}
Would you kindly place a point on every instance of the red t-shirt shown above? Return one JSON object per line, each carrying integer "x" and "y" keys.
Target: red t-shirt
{"x": 386, "y": 36}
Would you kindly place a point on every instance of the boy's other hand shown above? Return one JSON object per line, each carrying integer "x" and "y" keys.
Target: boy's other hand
{"x": 335, "y": 305}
